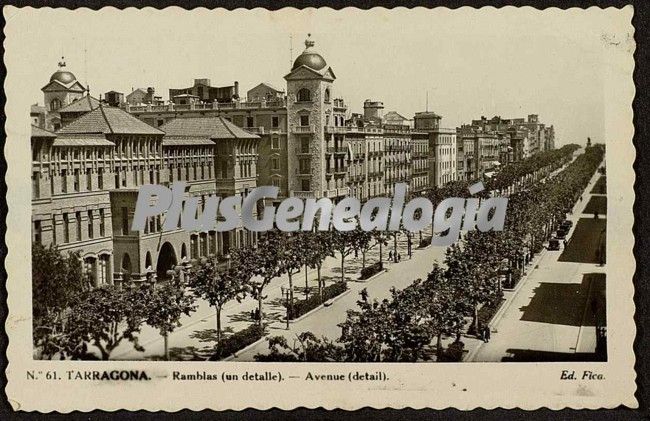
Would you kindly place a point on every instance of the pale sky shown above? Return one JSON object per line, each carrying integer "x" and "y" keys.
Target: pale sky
{"x": 509, "y": 62}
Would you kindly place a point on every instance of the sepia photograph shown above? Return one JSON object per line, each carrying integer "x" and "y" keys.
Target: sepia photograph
{"x": 418, "y": 186}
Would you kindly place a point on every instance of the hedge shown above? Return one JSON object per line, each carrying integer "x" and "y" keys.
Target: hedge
{"x": 485, "y": 315}
{"x": 301, "y": 307}
{"x": 368, "y": 271}
{"x": 237, "y": 341}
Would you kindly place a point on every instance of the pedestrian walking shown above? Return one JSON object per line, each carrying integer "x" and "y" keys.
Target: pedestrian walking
{"x": 390, "y": 255}
{"x": 399, "y": 257}
{"x": 486, "y": 334}
{"x": 364, "y": 295}
{"x": 564, "y": 242}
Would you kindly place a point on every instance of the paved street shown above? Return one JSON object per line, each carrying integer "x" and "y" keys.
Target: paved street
{"x": 196, "y": 338}
{"x": 548, "y": 317}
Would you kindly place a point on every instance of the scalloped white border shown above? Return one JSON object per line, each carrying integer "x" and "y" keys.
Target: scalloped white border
{"x": 463, "y": 386}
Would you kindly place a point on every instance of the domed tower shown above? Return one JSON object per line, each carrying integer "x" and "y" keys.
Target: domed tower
{"x": 62, "y": 89}
{"x": 309, "y": 109}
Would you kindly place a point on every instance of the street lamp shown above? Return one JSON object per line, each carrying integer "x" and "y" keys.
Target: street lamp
{"x": 286, "y": 297}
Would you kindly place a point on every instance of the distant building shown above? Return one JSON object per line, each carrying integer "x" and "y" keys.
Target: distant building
{"x": 373, "y": 111}
{"x": 395, "y": 118}
{"x": 264, "y": 92}
{"x": 207, "y": 93}
{"x": 442, "y": 150}
{"x": 114, "y": 98}
{"x": 141, "y": 96}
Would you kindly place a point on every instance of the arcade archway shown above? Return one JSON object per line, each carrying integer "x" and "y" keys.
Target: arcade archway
{"x": 166, "y": 260}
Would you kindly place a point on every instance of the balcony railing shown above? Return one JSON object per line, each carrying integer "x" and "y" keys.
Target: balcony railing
{"x": 255, "y": 130}
{"x": 343, "y": 191}
{"x": 303, "y": 194}
{"x": 303, "y": 129}
{"x": 336, "y": 129}
{"x": 276, "y": 103}
{"x": 337, "y": 149}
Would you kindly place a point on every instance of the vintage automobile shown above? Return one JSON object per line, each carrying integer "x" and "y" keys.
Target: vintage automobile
{"x": 566, "y": 224}
{"x": 553, "y": 244}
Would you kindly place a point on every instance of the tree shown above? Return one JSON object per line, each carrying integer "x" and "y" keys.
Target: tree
{"x": 169, "y": 301}
{"x": 439, "y": 299}
{"x": 291, "y": 257}
{"x": 468, "y": 271}
{"x": 345, "y": 242}
{"x": 318, "y": 247}
{"x": 393, "y": 330}
{"x": 306, "y": 348}
{"x": 215, "y": 285}
{"x": 365, "y": 242}
{"x": 104, "y": 317}
{"x": 56, "y": 281}
{"x": 258, "y": 265}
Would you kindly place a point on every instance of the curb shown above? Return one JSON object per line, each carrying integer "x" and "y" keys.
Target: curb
{"x": 372, "y": 277}
{"x": 320, "y": 306}
{"x": 244, "y": 349}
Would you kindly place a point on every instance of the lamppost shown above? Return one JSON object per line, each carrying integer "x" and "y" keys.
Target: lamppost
{"x": 285, "y": 295}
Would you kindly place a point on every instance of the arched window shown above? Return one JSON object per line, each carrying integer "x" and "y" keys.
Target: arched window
{"x": 327, "y": 95}
{"x": 304, "y": 95}
{"x": 55, "y": 104}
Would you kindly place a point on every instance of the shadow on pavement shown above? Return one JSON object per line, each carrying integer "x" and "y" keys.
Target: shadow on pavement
{"x": 564, "y": 304}
{"x": 597, "y": 204}
{"x": 587, "y": 244}
{"x": 601, "y": 186}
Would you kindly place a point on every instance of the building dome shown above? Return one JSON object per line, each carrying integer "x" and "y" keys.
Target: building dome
{"x": 309, "y": 58}
{"x": 63, "y": 76}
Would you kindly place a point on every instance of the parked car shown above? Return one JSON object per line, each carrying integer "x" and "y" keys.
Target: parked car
{"x": 553, "y": 244}
{"x": 566, "y": 224}
{"x": 561, "y": 234}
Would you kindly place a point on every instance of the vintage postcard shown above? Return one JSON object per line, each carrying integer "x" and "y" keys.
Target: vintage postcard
{"x": 387, "y": 208}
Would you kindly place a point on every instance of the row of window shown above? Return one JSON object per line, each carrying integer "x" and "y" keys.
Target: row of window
{"x": 77, "y": 180}
{"x": 72, "y": 228}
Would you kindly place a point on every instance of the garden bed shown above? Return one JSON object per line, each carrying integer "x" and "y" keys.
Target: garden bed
{"x": 371, "y": 270}
{"x": 237, "y": 341}
{"x": 485, "y": 315}
{"x": 301, "y": 307}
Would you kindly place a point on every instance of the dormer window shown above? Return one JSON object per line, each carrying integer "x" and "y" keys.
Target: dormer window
{"x": 304, "y": 95}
